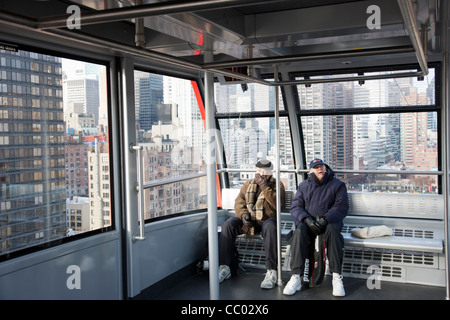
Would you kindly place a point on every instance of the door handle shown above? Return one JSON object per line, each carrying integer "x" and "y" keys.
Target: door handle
{"x": 140, "y": 191}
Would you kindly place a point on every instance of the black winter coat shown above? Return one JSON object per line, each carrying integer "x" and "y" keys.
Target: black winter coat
{"x": 327, "y": 199}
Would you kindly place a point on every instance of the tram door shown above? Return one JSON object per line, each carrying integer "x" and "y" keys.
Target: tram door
{"x": 163, "y": 139}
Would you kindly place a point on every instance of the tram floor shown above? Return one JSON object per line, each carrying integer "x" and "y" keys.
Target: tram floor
{"x": 246, "y": 286}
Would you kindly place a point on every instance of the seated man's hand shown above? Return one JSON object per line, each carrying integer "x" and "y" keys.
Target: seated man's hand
{"x": 260, "y": 181}
{"x": 322, "y": 223}
{"x": 246, "y": 219}
{"x": 313, "y": 226}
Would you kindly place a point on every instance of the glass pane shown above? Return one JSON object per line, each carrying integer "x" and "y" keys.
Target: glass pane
{"x": 369, "y": 94}
{"x": 54, "y": 154}
{"x": 251, "y": 98}
{"x": 172, "y": 198}
{"x": 396, "y": 141}
{"x": 171, "y": 129}
{"x": 248, "y": 140}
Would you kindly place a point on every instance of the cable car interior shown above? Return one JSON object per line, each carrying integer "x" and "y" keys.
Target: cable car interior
{"x": 127, "y": 128}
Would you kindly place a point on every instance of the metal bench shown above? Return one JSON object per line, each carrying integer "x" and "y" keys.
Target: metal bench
{"x": 413, "y": 235}
{"x": 413, "y": 254}
{"x": 415, "y": 251}
{"x": 416, "y": 221}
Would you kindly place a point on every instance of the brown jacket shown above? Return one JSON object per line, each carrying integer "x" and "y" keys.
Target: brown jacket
{"x": 269, "y": 208}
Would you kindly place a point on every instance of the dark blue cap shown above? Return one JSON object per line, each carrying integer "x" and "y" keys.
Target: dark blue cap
{"x": 315, "y": 162}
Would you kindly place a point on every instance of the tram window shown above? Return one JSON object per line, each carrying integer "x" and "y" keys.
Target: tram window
{"x": 361, "y": 140}
{"x": 251, "y": 98}
{"x": 179, "y": 197}
{"x": 398, "y": 141}
{"x": 393, "y": 92}
{"x": 247, "y": 140}
{"x": 54, "y": 127}
{"x": 171, "y": 130}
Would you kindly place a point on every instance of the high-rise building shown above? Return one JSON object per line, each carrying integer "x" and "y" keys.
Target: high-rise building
{"x": 77, "y": 179}
{"x": 341, "y": 96}
{"x": 83, "y": 90}
{"x": 32, "y": 175}
{"x": 148, "y": 94}
{"x": 99, "y": 185}
{"x": 77, "y": 215}
{"x": 180, "y": 92}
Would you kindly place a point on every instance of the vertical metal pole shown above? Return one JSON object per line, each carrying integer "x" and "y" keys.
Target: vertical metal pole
{"x": 445, "y": 121}
{"x": 295, "y": 125}
{"x": 130, "y": 175}
{"x": 277, "y": 168}
{"x": 213, "y": 242}
{"x": 139, "y": 37}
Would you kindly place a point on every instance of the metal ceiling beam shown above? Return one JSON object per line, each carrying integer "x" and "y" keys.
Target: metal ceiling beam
{"x": 305, "y": 57}
{"x": 352, "y": 78}
{"x": 161, "y": 8}
{"x": 407, "y": 10}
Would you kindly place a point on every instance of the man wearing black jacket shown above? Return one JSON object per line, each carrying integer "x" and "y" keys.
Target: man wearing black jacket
{"x": 319, "y": 206}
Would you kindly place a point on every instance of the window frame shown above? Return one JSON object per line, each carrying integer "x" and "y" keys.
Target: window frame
{"x": 141, "y": 67}
{"x": 106, "y": 62}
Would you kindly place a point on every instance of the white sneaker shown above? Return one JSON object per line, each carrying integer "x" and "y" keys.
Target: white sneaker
{"x": 338, "y": 286}
{"x": 294, "y": 285}
{"x": 224, "y": 273}
{"x": 270, "y": 280}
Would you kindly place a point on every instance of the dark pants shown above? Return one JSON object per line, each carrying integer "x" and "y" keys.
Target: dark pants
{"x": 303, "y": 238}
{"x": 227, "y": 249}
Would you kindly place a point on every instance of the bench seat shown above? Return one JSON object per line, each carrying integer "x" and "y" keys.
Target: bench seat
{"x": 430, "y": 239}
{"x": 408, "y": 234}
{"x": 396, "y": 243}
{"x": 413, "y": 254}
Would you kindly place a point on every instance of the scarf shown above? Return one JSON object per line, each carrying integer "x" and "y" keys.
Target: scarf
{"x": 255, "y": 205}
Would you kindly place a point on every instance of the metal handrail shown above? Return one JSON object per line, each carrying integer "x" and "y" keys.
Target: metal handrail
{"x": 140, "y": 191}
{"x": 297, "y": 171}
{"x": 422, "y": 172}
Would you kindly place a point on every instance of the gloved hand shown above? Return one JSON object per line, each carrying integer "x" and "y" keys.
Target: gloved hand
{"x": 313, "y": 225}
{"x": 322, "y": 222}
{"x": 246, "y": 219}
{"x": 262, "y": 183}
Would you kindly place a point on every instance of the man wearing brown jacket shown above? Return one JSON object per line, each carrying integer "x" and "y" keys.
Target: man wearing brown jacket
{"x": 255, "y": 208}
